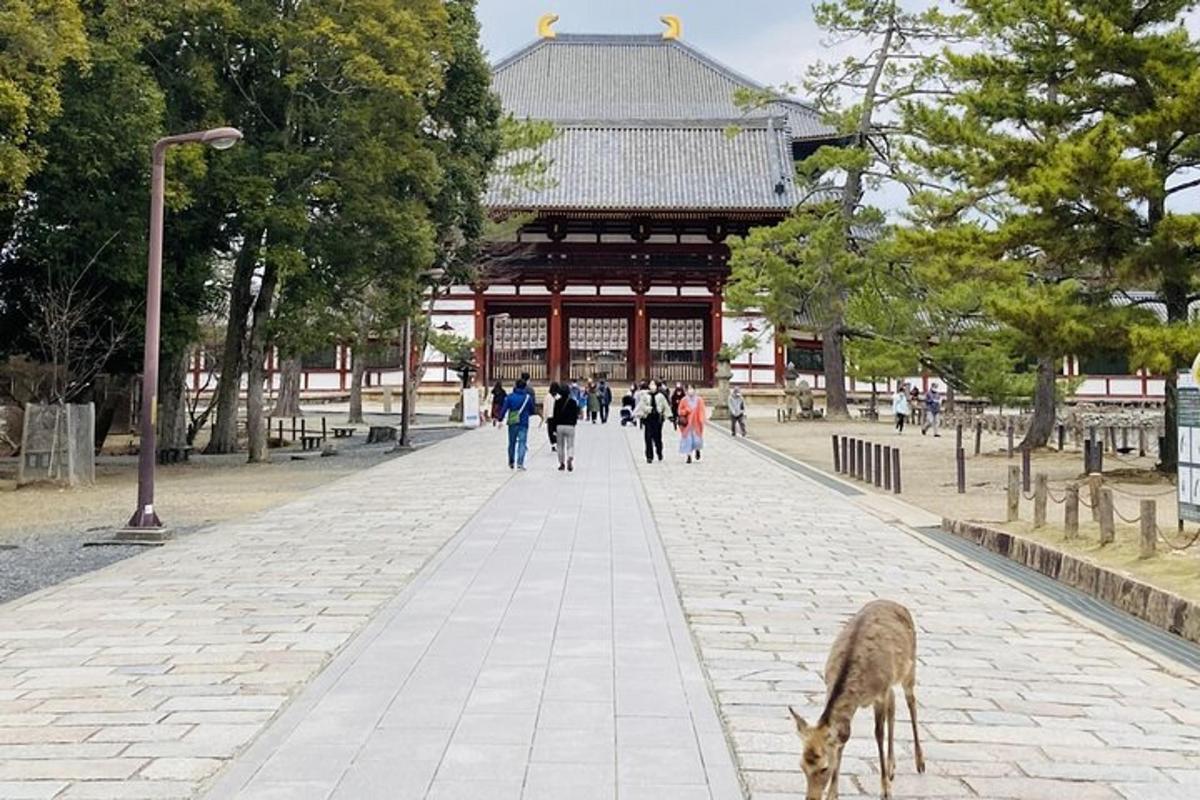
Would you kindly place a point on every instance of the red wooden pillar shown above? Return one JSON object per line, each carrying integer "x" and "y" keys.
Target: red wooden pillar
{"x": 641, "y": 336}
{"x": 481, "y": 333}
{"x": 718, "y": 328}
{"x": 555, "y": 344}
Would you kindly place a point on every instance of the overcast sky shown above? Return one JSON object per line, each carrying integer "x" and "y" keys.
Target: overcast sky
{"x": 768, "y": 40}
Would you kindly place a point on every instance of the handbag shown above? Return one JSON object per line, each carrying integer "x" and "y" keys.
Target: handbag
{"x": 514, "y": 416}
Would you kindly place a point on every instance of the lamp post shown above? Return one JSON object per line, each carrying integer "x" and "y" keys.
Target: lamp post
{"x": 144, "y": 520}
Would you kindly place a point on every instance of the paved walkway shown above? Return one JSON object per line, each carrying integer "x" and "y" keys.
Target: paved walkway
{"x": 1017, "y": 699}
{"x": 143, "y": 679}
{"x": 441, "y": 627}
{"x": 543, "y": 656}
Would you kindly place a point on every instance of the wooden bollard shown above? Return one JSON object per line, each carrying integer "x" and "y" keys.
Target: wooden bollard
{"x": 324, "y": 431}
{"x": 878, "y": 466}
{"x": 852, "y": 471}
{"x": 1040, "y": 491}
{"x": 1108, "y": 533}
{"x": 978, "y": 437}
{"x": 1071, "y": 512}
{"x": 887, "y": 467}
{"x": 845, "y": 455}
{"x": 1141, "y": 442}
{"x": 960, "y": 459}
{"x": 1014, "y": 494}
{"x": 281, "y": 432}
{"x": 1010, "y": 438}
{"x": 867, "y": 471}
{"x": 303, "y": 433}
{"x": 1062, "y": 437}
{"x": 896, "y": 470}
{"x": 1095, "y": 482}
{"x": 1149, "y": 530}
{"x": 1026, "y": 466}
{"x": 958, "y": 436}
{"x": 293, "y": 429}
{"x": 858, "y": 461}
{"x": 837, "y": 454}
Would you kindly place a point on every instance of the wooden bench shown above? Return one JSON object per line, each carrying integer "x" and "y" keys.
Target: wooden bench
{"x": 311, "y": 441}
{"x": 343, "y": 433}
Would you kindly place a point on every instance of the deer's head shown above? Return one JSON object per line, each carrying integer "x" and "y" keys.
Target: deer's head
{"x": 822, "y": 754}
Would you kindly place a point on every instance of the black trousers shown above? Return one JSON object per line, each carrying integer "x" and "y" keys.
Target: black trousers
{"x": 552, "y": 429}
{"x": 604, "y": 413}
{"x": 652, "y": 432}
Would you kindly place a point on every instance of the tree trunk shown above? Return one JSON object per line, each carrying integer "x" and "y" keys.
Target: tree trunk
{"x": 256, "y": 423}
{"x": 229, "y": 386}
{"x": 172, "y": 409}
{"x": 1175, "y": 297}
{"x": 287, "y": 404}
{"x": 358, "y": 369}
{"x": 835, "y": 370}
{"x": 1044, "y": 404}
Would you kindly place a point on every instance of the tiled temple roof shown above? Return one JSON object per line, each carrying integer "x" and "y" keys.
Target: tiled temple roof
{"x": 642, "y": 124}
{"x": 661, "y": 166}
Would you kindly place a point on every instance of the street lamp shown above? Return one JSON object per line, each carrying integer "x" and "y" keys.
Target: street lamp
{"x": 144, "y": 520}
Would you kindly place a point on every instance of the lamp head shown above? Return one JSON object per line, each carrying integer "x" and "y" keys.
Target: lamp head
{"x": 221, "y": 138}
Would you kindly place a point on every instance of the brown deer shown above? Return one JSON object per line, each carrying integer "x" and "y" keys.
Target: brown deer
{"x": 876, "y": 650}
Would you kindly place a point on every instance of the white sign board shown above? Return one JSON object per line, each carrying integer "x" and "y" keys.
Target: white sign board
{"x": 470, "y": 402}
{"x": 1188, "y": 421}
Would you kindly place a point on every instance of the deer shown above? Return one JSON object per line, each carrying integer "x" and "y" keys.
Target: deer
{"x": 875, "y": 651}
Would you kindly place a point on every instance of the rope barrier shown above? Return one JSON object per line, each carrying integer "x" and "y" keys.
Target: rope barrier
{"x": 1124, "y": 518}
{"x": 1148, "y": 496}
{"x": 1174, "y": 546}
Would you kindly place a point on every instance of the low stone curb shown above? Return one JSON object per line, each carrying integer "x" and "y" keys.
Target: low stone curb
{"x": 1162, "y": 609}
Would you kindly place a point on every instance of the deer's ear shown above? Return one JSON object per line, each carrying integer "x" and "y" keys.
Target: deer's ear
{"x": 801, "y": 725}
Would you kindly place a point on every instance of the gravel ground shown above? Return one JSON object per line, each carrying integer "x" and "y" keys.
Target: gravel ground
{"x": 44, "y": 531}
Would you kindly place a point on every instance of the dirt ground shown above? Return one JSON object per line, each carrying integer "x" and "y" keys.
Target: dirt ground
{"x": 929, "y": 482}
{"x": 205, "y": 490}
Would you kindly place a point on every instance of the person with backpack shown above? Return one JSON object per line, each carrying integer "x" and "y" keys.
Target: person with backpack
{"x": 565, "y": 418}
{"x": 653, "y": 409}
{"x": 517, "y": 407}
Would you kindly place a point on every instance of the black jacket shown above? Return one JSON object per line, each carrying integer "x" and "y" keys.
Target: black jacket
{"x": 566, "y": 410}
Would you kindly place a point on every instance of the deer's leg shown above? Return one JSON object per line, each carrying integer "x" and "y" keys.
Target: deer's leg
{"x": 880, "y": 714}
{"x": 911, "y": 698}
{"x": 891, "y": 730}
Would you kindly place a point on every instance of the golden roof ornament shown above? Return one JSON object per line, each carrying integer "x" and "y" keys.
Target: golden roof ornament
{"x": 545, "y": 26}
{"x": 674, "y": 26}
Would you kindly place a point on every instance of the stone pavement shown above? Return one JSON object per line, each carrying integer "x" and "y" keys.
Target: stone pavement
{"x": 1017, "y": 699}
{"x": 543, "y": 655}
{"x": 142, "y": 679}
{"x": 441, "y": 627}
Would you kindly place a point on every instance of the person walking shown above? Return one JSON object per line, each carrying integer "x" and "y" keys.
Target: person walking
{"x": 548, "y": 414}
{"x": 652, "y": 409}
{"x": 605, "y": 401}
{"x": 593, "y": 403}
{"x": 517, "y": 408}
{"x": 566, "y": 417}
{"x": 676, "y": 397}
{"x": 692, "y": 413}
{"x": 498, "y": 397}
{"x": 900, "y": 407}
{"x": 737, "y": 412}
{"x": 933, "y": 411}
